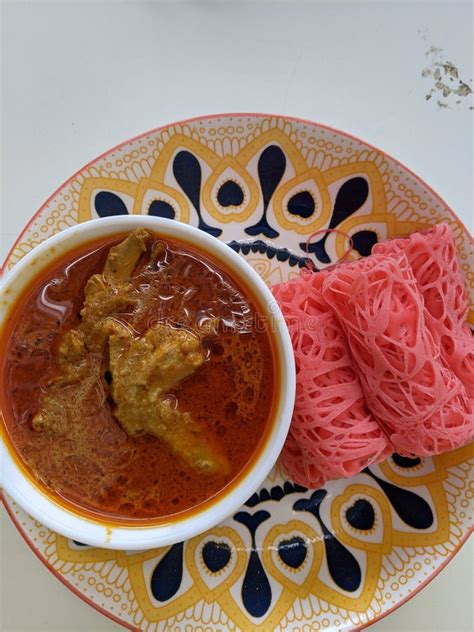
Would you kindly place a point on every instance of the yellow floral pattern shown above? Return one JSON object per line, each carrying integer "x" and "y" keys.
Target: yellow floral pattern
{"x": 226, "y": 188}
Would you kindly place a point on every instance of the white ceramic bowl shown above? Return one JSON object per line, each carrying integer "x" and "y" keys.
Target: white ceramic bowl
{"x": 84, "y": 529}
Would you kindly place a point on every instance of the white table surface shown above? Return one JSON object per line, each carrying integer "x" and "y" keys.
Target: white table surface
{"x": 79, "y": 77}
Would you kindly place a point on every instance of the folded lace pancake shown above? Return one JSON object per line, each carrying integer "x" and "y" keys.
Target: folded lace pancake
{"x": 299, "y": 465}
{"x": 433, "y": 259}
{"x": 408, "y": 385}
{"x": 333, "y": 434}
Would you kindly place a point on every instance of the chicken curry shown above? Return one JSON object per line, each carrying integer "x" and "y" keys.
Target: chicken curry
{"x": 140, "y": 378}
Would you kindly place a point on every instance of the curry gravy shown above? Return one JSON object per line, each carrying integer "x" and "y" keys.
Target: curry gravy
{"x": 93, "y": 465}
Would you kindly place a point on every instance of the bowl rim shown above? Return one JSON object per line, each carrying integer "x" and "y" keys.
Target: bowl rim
{"x": 94, "y": 532}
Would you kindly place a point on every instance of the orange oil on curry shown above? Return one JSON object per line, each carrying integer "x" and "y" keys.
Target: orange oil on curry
{"x": 95, "y": 468}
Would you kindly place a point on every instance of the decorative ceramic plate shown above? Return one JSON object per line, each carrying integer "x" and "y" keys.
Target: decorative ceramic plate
{"x": 290, "y": 559}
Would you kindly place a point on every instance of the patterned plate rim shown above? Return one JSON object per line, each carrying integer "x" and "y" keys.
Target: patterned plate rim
{"x": 295, "y": 119}
{"x": 207, "y": 117}
{"x": 122, "y": 623}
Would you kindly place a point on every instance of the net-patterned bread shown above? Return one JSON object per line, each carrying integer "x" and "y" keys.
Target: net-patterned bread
{"x": 333, "y": 434}
{"x": 384, "y": 357}
{"x": 420, "y": 402}
{"x": 433, "y": 259}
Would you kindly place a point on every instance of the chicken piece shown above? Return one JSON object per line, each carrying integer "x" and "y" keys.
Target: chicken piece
{"x": 124, "y": 257}
{"x": 103, "y": 301}
{"x": 111, "y": 292}
{"x": 71, "y": 352}
{"x": 105, "y": 294}
{"x": 143, "y": 371}
{"x": 79, "y": 373}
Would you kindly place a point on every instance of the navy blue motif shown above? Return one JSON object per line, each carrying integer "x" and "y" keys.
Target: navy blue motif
{"x": 160, "y": 208}
{"x": 107, "y": 204}
{"x": 216, "y": 555}
{"x": 271, "y": 167}
{"x": 293, "y": 552}
{"x": 79, "y": 543}
{"x": 363, "y": 241}
{"x": 349, "y": 199}
{"x": 188, "y": 174}
{"x": 361, "y": 515}
{"x": 276, "y": 493}
{"x": 168, "y": 574}
{"x": 301, "y": 204}
{"x": 411, "y": 508}
{"x": 281, "y": 254}
{"x": 230, "y": 194}
{"x": 256, "y": 589}
{"x": 342, "y": 565}
{"x": 405, "y": 461}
